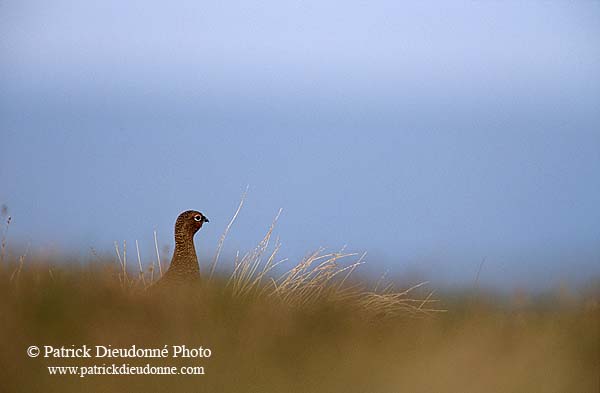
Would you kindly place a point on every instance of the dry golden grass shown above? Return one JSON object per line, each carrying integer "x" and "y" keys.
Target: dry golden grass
{"x": 312, "y": 344}
{"x": 311, "y": 328}
{"x": 317, "y": 277}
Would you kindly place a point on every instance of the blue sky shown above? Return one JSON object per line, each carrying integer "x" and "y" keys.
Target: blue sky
{"x": 430, "y": 135}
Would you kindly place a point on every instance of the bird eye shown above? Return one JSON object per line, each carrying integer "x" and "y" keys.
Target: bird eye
{"x": 198, "y": 218}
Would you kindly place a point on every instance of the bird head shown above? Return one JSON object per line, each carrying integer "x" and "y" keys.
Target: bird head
{"x": 189, "y": 222}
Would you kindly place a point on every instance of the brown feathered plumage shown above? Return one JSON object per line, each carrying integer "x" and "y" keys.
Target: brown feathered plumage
{"x": 184, "y": 266}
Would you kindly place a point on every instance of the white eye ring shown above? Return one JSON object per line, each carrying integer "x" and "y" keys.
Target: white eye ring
{"x": 198, "y": 218}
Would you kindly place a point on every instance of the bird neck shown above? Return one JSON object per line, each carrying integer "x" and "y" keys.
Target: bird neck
{"x": 185, "y": 252}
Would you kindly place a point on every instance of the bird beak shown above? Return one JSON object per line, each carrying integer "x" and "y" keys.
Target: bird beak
{"x": 206, "y": 219}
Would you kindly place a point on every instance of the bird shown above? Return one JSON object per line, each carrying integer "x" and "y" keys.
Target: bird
{"x": 184, "y": 266}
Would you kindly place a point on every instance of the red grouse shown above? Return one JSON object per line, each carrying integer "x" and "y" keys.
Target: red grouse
{"x": 184, "y": 264}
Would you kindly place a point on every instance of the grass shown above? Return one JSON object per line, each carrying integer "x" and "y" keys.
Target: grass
{"x": 318, "y": 277}
{"x": 313, "y": 327}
